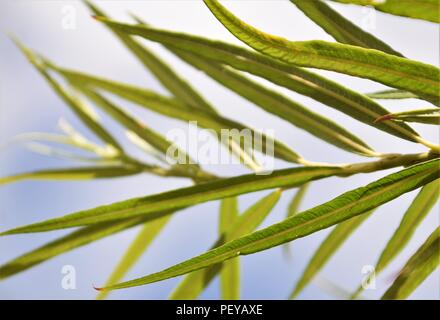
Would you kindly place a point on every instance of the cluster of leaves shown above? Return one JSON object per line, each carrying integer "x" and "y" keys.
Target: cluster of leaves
{"x": 280, "y": 61}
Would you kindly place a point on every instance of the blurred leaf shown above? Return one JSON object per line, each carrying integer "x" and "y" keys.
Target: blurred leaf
{"x": 397, "y": 72}
{"x": 172, "y": 108}
{"x": 193, "y": 284}
{"x": 340, "y": 28}
{"x": 418, "y": 210}
{"x": 189, "y": 196}
{"x": 344, "y": 207}
{"x": 327, "y": 249}
{"x": 426, "y": 116}
{"x": 304, "y": 82}
{"x": 64, "y": 244}
{"x": 392, "y": 94}
{"x": 230, "y": 271}
{"x": 83, "y": 173}
{"x": 277, "y": 104}
{"x": 144, "y": 238}
{"x": 419, "y": 9}
{"x": 417, "y": 269}
{"x": 78, "y": 107}
{"x": 297, "y": 200}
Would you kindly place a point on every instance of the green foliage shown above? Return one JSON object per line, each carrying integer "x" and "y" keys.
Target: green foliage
{"x": 281, "y": 62}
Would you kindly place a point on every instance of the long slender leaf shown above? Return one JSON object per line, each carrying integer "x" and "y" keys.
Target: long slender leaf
{"x": 83, "y": 173}
{"x": 340, "y": 28}
{"x": 419, "y": 208}
{"x": 312, "y": 85}
{"x": 194, "y": 283}
{"x": 426, "y": 116}
{"x": 327, "y": 249}
{"x": 180, "y": 88}
{"x": 417, "y": 269}
{"x": 64, "y": 244}
{"x": 142, "y": 241}
{"x": 392, "y": 94}
{"x": 172, "y": 108}
{"x": 78, "y": 107}
{"x": 419, "y": 9}
{"x": 346, "y": 206}
{"x": 397, "y": 72}
{"x": 179, "y": 198}
{"x": 279, "y": 105}
{"x": 230, "y": 271}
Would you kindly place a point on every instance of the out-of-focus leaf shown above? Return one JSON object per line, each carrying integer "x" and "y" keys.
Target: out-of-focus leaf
{"x": 277, "y": 104}
{"x": 230, "y": 271}
{"x": 344, "y": 207}
{"x": 64, "y": 244}
{"x": 340, "y": 28}
{"x": 194, "y": 283}
{"x": 295, "y": 204}
{"x": 189, "y": 196}
{"x": 419, "y": 208}
{"x": 77, "y": 106}
{"x": 417, "y": 269}
{"x": 327, "y": 249}
{"x": 397, "y": 72}
{"x": 83, "y": 173}
{"x": 419, "y": 9}
{"x": 392, "y": 94}
{"x": 297, "y": 79}
{"x": 172, "y": 108}
{"x": 142, "y": 241}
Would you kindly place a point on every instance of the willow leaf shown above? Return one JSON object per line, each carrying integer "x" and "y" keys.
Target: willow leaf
{"x": 180, "y": 88}
{"x": 392, "y": 94}
{"x": 194, "y": 283}
{"x": 77, "y": 106}
{"x": 64, "y": 244}
{"x": 279, "y": 105}
{"x": 426, "y": 116}
{"x": 419, "y": 9}
{"x": 346, "y": 206}
{"x": 327, "y": 249}
{"x": 397, "y": 72}
{"x": 142, "y": 241}
{"x": 297, "y": 79}
{"x": 340, "y": 28}
{"x": 84, "y": 173}
{"x": 151, "y": 205}
{"x": 417, "y": 269}
{"x": 419, "y": 208}
{"x": 172, "y": 108}
{"x": 230, "y": 272}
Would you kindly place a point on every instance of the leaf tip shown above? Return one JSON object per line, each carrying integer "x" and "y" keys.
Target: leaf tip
{"x": 384, "y": 118}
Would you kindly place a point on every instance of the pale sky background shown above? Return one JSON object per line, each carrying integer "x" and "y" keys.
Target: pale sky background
{"x": 28, "y": 104}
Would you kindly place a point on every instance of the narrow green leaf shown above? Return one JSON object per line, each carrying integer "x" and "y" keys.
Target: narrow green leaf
{"x": 180, "y": 88}
{"x": 172, "y": 108}
{"x": 340, "y": 28}
{"x": 142, "y": 241}
{"x": 84, "y": 173}
{"x": 194, "y": 283}
{"x": 64, "y": 244}
{"x": 419, "y": 9}
{"x": 346, "y": 206}
{"x": 417, "y": 269}
{"x": 295, "y": 204}
{"x": 392, "y": 94}
{"x": 277, "y": 104}
{"x": 418, "y": 210}
{"x": 230, "y": 271}
{"x": 302, "y": 81}
{"x": 426, "y": 116}
{"x": 397, "y": 72}
{"x": 327, "y": 249}
{"x": 77, "y": 106}
{"x": 180, "y": 198}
